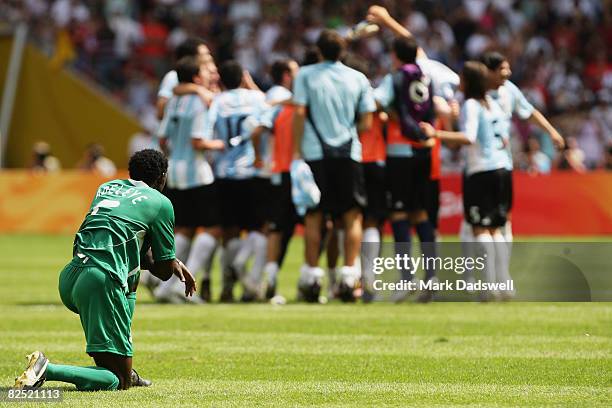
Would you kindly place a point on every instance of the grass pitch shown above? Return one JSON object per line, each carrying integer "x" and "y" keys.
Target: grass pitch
{"x": 512, "y": 354}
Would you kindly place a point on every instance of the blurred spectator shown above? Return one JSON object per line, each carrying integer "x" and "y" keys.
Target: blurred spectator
{"x": 145, "y": 138}
{"x": 42, "y": 160}
{"x": 93, "y": 160}
{"x": 536, "y": 161}
{"x": 573, "y": 157}
{"x": 560, "y": 50}
{"x": 608, "y": 161}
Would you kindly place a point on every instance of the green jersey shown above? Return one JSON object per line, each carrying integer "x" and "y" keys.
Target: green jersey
{"x": 125, "y": 219}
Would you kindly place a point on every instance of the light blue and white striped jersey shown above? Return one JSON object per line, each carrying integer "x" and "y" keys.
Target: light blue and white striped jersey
{"x": 184, "y": 120}
{"x": 166, "y": 87}
{"x": 512, "y": 101}
{"x": 334, "y": 94}
{"x": 482, "y": 127}
{"x": 232, "y": 118}
{"x": 278, "y": 93}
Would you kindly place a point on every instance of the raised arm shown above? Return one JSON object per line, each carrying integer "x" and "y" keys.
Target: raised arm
{"x": 380, "y": 15}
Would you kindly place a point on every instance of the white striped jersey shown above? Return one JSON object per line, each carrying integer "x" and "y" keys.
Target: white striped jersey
{"x": 232, "y": 117}
{"x": 482, "y": 127}
{"x": 512, "y": 101}
{"x": 184, "y": 120}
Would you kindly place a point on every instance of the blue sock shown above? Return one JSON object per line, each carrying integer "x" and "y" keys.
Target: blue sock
{"x": 427, "y": 237}
{"x": 401, "y": 236}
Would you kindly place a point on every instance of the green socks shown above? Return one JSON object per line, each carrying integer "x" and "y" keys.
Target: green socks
{"x": 85, "y": 378}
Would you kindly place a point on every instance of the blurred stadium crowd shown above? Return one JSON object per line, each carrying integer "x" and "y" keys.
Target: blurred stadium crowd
{"x": 560, "y": 51}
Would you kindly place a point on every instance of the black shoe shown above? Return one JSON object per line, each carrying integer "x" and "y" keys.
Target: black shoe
{"x": 138, "y": 381}
{"x": 34, "y": 374}
{"x": 248, "y": 297}
{"x": 205, "y": 290}
{"x": 346, "y": 293}
{"x": 270, "y": 291}
{"x": 227, "y": 295}
{"x": 425, "y": 297}
{"x": 310, "y": 293}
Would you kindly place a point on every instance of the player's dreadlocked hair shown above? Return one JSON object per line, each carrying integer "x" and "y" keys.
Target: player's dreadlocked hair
{"x": 148, "y": 165}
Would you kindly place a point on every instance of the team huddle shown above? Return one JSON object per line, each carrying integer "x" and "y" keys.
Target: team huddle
{"x": 241, "y": 168}
{"x": 235, "y": 154}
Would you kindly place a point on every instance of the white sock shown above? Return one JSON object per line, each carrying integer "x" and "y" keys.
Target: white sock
{"x": 502, "y": 261}
{"x": 310, "y": 274}
{"x": 165, "y": 288}
{"x": 209, "y": 264}
{"x": 201, "y": 251}
{"x": 350, "y": 275}
{"x": 229, "y": 252}
{"x": 486, "y": 249}
{"x": 259, "y": 243}
{"x": 371, "y": 249}
{"x": 507, "y": 231}
{"x": 466, "y": 235}
{"x": 182, "y": 243}
{"x": 332, "y": 273}
{"x": 271, "y": 271}
{"x": 244, "y": 253}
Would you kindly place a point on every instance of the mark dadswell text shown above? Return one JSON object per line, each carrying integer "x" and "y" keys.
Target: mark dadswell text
{"x": 435, "y": 285}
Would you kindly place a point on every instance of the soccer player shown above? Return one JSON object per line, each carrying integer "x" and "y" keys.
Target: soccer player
{"x": 408, "y": 166}
{"x": 330, "y": 99}
{"x": 191, "y": 47}
{"x": 125, "y": 220}
{"x": 190, "y": 186}
{"x": 514, "y": 104}
{"x": 484, "y": 192}
{"x": 277, "y": 120}
{"x": 232, "y": 119}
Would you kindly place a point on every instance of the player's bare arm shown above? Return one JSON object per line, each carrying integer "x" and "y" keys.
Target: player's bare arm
{"x": 190, "y": 88}
{"x": 256, "y": 138}
{"x": 380, "y": 15}
{"x": 202, "y": 144}
{"x": 538, "y": 119}
{"x": 444, "y": 135}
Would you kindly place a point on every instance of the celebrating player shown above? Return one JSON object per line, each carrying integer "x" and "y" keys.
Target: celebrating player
{"x": 190, "y": 179}
{"x": 232, "y": 118}
{"x": 277, "y": 119}
{"x": 125, "y": 220}
{"x": 330, "y": 99}
{"x": 485, "y": 200}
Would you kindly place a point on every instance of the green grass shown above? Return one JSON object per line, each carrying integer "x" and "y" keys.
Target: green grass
{"x": 512, "y": 354}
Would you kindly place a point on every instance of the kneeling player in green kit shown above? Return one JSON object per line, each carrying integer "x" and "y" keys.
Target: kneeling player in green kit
{"x": 126, "y": 219}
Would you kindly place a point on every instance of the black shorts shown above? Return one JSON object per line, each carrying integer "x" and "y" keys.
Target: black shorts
{"x": 485, "y": 198}
{"x": 237, "y": 202}
{"x": 510, "y": 189}
{"x": 433, "y": 202}
{"x": 195, "y": 207}
{"x": 283, "y": 214}
{"x": 408, "y": 181}
{"x": 341, "y": 183}
{"x": 262, "y": 200}
{"x": 374, "y": 177}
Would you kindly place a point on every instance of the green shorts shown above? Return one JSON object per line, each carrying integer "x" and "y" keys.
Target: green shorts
{"x": 103, "y": 306}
